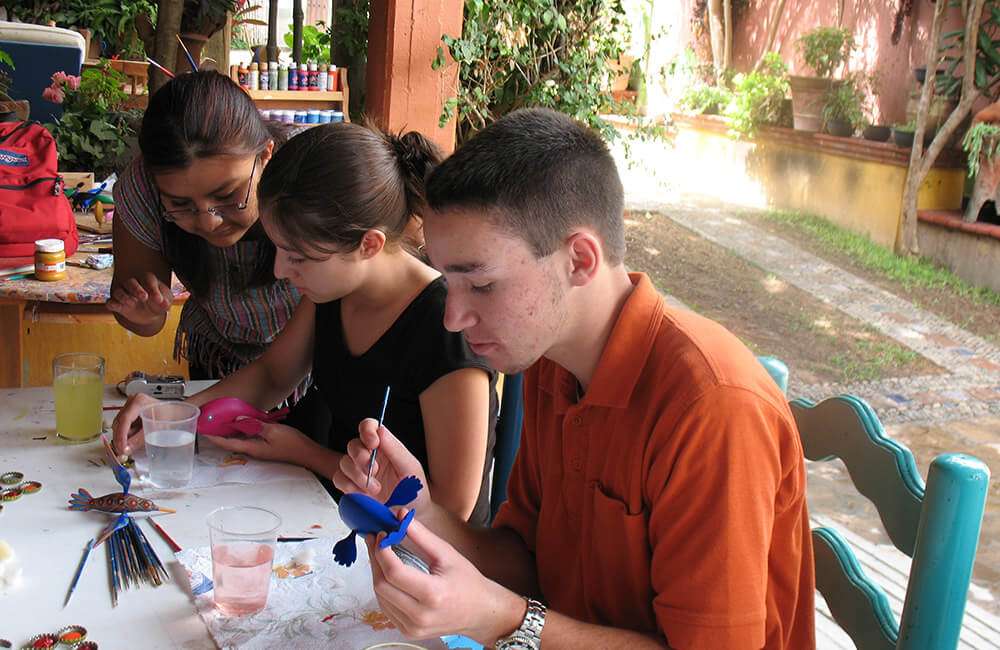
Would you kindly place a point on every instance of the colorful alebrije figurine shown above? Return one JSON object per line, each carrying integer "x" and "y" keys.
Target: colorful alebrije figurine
{"x": 219, "y": 418}
{"x": 365, "y": 516}
{"x": 120, "y": 502}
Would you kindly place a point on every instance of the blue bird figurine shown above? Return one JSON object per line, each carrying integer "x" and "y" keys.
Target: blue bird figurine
{"x": 366, "y": 516}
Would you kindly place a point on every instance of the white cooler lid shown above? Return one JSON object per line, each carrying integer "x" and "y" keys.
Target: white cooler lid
{"x": 28, "y": 33}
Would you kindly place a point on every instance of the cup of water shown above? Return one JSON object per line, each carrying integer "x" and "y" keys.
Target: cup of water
{"x": 242, "y": 539}
{"x": 78, "y": 387}
{"x": 169, "y": 430}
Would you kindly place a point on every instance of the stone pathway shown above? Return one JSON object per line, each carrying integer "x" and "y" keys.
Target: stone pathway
{"x": 972, "y": 387}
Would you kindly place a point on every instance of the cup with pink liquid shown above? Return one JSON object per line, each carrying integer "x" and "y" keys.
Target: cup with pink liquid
{"x": 242, "y": 540}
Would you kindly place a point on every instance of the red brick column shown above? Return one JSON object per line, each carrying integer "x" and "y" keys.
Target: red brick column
{"x": 401, "y": 90}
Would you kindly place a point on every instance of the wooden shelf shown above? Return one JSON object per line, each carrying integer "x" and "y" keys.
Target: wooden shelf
{"x": 303, "y": 99}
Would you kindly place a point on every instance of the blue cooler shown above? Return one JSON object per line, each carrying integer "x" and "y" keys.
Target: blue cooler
{"x": 38, "y": 52}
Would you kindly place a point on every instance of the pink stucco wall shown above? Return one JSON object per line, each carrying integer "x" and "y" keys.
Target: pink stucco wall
{"x": 871, "y": 22}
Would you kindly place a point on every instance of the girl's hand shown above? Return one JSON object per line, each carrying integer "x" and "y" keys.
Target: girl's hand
{"x": 143, "y": 300}
{"x": 126, "y": 428}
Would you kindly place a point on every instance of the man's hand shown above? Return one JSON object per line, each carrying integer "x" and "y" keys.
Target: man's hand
{"x": 455, "y": 598}
{"x": 393, "y": 462}
{"x": 143, "y": 300}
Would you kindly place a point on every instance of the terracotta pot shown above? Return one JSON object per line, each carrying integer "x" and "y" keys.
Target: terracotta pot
{"x": 807, "y": 101}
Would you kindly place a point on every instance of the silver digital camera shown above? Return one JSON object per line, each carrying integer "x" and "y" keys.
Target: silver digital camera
{"x": 162, "y": 386}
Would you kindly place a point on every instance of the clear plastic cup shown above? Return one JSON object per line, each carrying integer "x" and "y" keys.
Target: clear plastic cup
{"x": 78, "y": 385}
{"x": 243, "y": 539}
{"x": 169, "y": 430}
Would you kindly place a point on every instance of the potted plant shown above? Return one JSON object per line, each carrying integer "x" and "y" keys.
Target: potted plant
{"x": 982, "y": 144}
{"x": 902, "y": 134}
{"x": 843, "y": 106}
{"x": 824, "y": 49}
{"x": 703, "y": 99}
{"x": 759, "y": 97}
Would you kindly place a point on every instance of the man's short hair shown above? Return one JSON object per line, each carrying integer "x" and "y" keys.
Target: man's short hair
{"x": 536, "y": 173}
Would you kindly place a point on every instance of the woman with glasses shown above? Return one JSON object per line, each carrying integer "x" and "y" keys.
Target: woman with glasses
{"x": 337, "y": 201}
{"x": 187, "y": 205}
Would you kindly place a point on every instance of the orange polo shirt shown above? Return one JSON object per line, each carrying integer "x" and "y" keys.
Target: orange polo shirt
{"x": 671, "y": 498}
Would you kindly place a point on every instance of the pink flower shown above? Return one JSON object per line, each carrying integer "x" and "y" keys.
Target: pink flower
{"x": 58, "y": 77}
{"x": 73, "y": 81}
{"x": 53, "y": 94}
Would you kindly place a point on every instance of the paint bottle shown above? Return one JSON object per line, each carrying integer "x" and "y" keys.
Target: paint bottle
{"x": 321, "y": 77}
{"x": 243, "y": 76}
{"x": 254, "y": 78}
{"x": 332, "y": 78}
{"x": 283, "y": 77}
{"x": 272, "y": 75}
{"x": 50, "y": 259}
{"x": 265, "y": 78}
{"x": 307, "y": 72}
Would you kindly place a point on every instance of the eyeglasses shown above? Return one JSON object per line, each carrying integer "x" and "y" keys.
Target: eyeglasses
{"x": 221, "y": 211}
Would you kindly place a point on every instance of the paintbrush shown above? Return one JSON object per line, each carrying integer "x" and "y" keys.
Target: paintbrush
{"x": 194, "y": 66}
{"x": 79, "y": 570}
{"x": 371, "y": 465}
{"x": 164, "y": 70}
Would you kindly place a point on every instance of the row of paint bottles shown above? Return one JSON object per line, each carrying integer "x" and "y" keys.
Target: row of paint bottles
{"x": 275, "y": 76}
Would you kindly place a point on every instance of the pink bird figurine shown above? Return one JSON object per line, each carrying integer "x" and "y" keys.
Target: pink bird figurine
{"x": 219, "y": 418}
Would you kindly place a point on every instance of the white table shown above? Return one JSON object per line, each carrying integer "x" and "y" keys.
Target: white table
{"x": 49, "y": 538}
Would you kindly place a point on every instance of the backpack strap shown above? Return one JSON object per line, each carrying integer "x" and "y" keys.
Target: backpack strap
{"x": 22, "y": 125}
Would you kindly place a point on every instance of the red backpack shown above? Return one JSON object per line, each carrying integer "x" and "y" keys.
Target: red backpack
{"x": 32, "y": 203}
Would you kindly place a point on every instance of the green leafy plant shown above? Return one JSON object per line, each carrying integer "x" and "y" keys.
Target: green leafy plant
{"x": 111, "y": 22}
{"x": 705, "y": 99}
{"x": 906, "y": 127}
{"x": 315, "y": 42}
{"x": 239, "y": 35}
{"x": 981, "y": 141}
{"x": 515, "y": 53}
{"x": 351, "y": 28}
{"x": 95, "y": 129}
{"x": 987, "y": 65}
{"x": 846, "y": 101}
{"x": 824, "y": 49}
{"x": 759, "y": 97}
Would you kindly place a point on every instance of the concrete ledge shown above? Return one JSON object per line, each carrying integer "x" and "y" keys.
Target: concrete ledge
{"x": 855, "y": 183}
{"x": 971, "y": 250}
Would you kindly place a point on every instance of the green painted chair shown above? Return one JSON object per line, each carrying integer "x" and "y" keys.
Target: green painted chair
{"x": 936, "y": 524}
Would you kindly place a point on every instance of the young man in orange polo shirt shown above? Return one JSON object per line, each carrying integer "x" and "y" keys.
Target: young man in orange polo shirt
{"x": 658, "y": 495}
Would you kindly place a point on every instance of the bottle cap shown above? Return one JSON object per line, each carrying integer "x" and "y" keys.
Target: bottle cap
{"x": 30, "y": 487}
{"x": 49, "y": 245}
{"x": 10, "y": 494}
{"x": 13, "y": 478}
{"x": 72, "y": 634}
{"x": 42, "y": 641}
{"x": 84, "y": 645}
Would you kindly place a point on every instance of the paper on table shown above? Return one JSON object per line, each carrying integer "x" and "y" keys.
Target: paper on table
{"x": 321, "y": 604}
{"x": 213, "y": 465}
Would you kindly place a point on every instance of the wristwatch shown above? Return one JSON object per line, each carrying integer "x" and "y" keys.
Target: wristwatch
{"x": 529, "y": 635}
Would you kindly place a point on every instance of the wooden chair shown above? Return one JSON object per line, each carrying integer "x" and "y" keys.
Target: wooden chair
{"x": 936, "y": 524}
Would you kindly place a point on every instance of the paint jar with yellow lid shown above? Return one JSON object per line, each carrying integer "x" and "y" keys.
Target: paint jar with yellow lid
{"x": 50, "y": 259}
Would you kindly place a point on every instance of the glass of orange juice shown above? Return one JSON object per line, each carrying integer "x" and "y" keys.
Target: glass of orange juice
{"x": 78, "y": 384}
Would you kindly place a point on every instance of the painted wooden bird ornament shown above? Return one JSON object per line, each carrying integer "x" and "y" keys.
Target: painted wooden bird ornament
{"x": 116, "y": 502}
{"x": 366, "y": 516}
{"x": 219, "y": 418}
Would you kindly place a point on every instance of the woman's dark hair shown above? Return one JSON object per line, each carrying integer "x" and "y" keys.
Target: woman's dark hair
{"x": 329, "y": 185}
{"x": 199, "y": 115}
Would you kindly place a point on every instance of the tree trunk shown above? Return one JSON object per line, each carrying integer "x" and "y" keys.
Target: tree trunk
{"x": 272, "y": 31}
{"x": 921, "y": 162}
{"x": 716, "y": 32}
{"x": 168, "y": 23}
{"x": 727, "y": 34}
{"x": 297, "y": 31}
{"x": 772, "y": 30}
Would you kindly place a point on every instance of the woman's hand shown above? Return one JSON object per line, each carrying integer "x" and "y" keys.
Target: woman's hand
{"x": 143, "y": 300}
{"x": 278, "y": 442}
{"x": 126, "y": 428}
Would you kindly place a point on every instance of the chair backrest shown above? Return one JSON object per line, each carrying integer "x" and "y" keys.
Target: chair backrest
{"x": 508, "y": 437}
{"x": 936, "y": 524}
